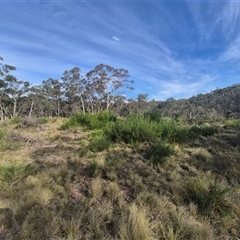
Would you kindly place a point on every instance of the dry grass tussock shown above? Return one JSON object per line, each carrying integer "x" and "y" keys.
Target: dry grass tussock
{"x": 66, "y": 184}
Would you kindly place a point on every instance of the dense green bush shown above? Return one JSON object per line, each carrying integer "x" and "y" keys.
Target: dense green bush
{"x": 234, "y": 123}
{"x": 171, "y": 131}
{"x": 138, "y": 128}
{"x": 132, "y": 130}
{"x": 153, "y": 115}
{"x": 89, "y": 120}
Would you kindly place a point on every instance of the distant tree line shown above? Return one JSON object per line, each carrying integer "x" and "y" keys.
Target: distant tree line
{"x": 98, "y": 90}
{"x": 103, "y": 88}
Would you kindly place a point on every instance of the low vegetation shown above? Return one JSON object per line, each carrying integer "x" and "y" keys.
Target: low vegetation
{"x": 96, "y": 176}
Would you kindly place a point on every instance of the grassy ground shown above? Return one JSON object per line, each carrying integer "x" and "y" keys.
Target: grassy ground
{"x": 75, "y": 183}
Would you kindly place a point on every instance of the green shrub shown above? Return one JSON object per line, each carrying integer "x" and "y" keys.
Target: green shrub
{"x": 134, "y": 129}
{"x": 183, "y": 134}
{"x": 207, "y": 196}
{"x": 89, "y": 120}
{"x": 99, "y": 143}
{"x": 168, "y": 129}
{"x": 234, "y": 123}
{"x": 158, "y": 152}
{"x": 153, "y": 115}
{"x": 96, "y": 133}
{"x": 204, "y": 131}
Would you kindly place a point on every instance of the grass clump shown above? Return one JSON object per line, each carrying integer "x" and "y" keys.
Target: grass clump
{"x": 15, "y": 120}
{"x": 43, "y": 120}
{"x": 208, "y": 196}
{"x": 158, "y": 152}
{"x": 96, "y": 189}
{"x": 11, "y": 173}
{"x": 31, "y": 121}
{"x": 136, "y": 226}
{"x": 2, "y": 134}
{"x": 99, "y": 144}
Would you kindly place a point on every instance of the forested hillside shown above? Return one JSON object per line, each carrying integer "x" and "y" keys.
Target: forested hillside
{"x": 220, "y": 103}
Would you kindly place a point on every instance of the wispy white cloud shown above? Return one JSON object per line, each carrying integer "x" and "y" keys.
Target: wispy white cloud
{"x": 229, "y": 18}
{"x": 115, "y": 38}
{"x": 181, "y": 89}
{"x": 232, "y": 52}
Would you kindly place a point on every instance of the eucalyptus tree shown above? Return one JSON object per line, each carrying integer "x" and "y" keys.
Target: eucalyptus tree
{"x": 53, "y": 91}
{"x": 106, "y": 83}
{"x": 5, "y": 68}
{"x": 37, "y": 104}
{"x": 74, "y": 88}
{"x": 15, "y": 89}
{"x": 119, "y": 105}
{"x": 4, "y": 100}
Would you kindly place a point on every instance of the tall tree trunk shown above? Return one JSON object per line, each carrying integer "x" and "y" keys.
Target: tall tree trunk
{"x": 31, "y": 108}
{"x": 58, "y": 108}
{"x": 14, "y": 107}
{"x": 1, "y": 113}
{"x": 83, "y": 105}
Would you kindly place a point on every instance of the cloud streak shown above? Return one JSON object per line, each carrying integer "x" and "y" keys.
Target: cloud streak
{"x": 115, "y": 38}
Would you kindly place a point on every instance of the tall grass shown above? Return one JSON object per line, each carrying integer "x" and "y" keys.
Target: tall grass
{"x": 136, "y": 226}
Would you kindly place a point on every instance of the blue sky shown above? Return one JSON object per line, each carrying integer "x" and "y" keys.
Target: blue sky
{"x": 170, "y": 48}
